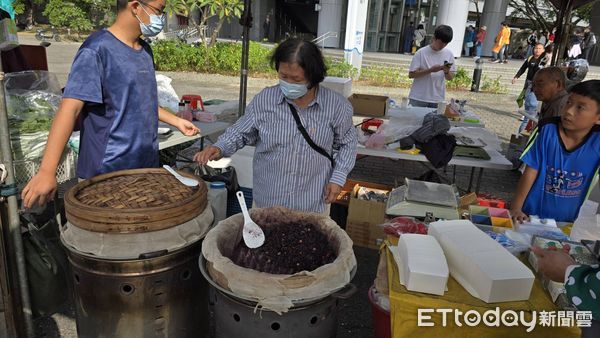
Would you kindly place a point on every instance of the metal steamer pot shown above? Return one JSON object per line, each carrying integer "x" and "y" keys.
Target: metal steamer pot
{"x": 159, "y": 295}
{"x": 237, "y": 316}
{"x": 131, "y": 275}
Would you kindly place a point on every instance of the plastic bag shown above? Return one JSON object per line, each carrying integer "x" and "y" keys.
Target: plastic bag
{"x": 32, "y": 99}
{"x": 587, "y": 224}
{"x": 404, "y": 225}
{"x": 167, "y": 97}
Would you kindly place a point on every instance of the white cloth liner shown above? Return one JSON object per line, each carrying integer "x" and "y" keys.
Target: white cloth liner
{"x": 131, "y": 245}
{"x": 277, "y": 292}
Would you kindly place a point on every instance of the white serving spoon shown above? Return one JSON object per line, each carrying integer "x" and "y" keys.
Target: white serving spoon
{"x": 254, "y": 237}
{"x": 184, "y": 180}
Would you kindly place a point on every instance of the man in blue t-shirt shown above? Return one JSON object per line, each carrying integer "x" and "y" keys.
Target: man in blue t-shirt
{"x": 112, "y": 90}
{"x": 562, "y": 159}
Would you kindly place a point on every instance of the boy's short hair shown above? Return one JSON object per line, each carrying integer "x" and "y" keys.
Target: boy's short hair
{"x": 443, "y": 33}
{"x": 553, "y": 74}
{"x": 121, "y": 4}
{"x": 590, "y": 88}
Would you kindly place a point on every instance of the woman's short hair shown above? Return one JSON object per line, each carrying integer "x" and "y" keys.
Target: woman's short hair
{"x": 306, "y": 54}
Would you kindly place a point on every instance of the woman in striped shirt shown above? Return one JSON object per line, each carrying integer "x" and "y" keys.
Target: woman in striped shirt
{"x": 287, "y": 170}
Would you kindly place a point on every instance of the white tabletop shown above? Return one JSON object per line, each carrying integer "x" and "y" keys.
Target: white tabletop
{"x": 176, "y": 137}
{"x": 415, "y": 115}
{"x": 496, "y": 161}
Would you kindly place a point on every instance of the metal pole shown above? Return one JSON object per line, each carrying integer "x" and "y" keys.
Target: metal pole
{"x": 246, "y": 22}
{"x": 14, "y": 225}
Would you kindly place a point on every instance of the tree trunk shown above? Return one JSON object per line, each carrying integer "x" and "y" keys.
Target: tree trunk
{"x": 215, "y": 33}
{"x": 30, "y": 16}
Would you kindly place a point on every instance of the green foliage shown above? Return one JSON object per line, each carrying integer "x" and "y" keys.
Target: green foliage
{"x": 19, "y": 6}
{"x": 493, "y": 85}
{"x": 340, "y": 68}
{"x": 384, "y": 76}
{"x": 461, "y": 80}
{"x": 223, "y": 8}
{"x": 67, "y": 14}
{"x": 223, "y": 58}
{"x": 181, "y": 7}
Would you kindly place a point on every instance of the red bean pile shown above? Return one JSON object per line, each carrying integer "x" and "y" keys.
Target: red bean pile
{"x": 288, "y": 249}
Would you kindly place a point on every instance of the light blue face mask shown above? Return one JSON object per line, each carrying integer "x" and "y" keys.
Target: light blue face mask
{"x": 156, "y": 25}
{"x": 293, "y": 90}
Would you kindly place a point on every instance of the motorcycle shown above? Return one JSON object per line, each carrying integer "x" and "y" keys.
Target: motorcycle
{"x": 42, "y": 34}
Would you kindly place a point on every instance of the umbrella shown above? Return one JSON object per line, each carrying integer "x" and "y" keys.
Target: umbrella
{"x": 246, "y": 22}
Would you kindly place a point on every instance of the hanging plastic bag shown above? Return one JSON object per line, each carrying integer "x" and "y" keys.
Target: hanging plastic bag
{"x": 587, "y": 224}
{"x": 521, "y": 98}
{"x": 32, "y": 99}
{"x": 167, "y": 97}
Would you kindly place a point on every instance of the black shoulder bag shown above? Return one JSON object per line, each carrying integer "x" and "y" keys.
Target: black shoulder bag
{"x": 310, "y": 142}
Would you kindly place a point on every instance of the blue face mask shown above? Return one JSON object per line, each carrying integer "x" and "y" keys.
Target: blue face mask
{"x": 157, "y": 22}
{"x": 293, "y": 90}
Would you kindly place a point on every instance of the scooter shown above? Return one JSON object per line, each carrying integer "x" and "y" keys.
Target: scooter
{"x": 42, "y": 34}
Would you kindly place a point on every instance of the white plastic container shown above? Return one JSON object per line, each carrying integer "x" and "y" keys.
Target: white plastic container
{"x": 339, "y": 84}
{"x": 217, "y": 196}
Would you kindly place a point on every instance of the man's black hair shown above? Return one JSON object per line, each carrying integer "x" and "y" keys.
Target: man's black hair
{"x": 306, "y": 54}
{"x": 553, "y": 74}
{"x": 443, "y": 33}
{"x": 590, "y": 88}
{"x": 121, "y": 4}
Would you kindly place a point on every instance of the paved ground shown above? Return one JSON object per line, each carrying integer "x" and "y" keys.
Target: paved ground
{"x": 499, "y": 113}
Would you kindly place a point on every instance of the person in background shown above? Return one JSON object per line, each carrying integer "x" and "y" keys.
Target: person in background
{"x": 533, "y": 63}
{"x": 582, "y": 282}
{"x": 551, "y": 36}
{"x": 561, "y": 159}
{"x": 479, "y": 39}
{"x": 468, "y": 40}
{"x": 575, "y": 43}
{"x": 502, "y": 41}
{"x": 409, "y": 33}
{"x": 589, "y": 41}
{"x": 419, "y": 37}
{"x": 112, "y": 89}
{"x": 287, "y": 170}
{"x": 266, "y": 26}
{"x": 430, "y": 68}
{"x": 549, "y": 87}
{"x": 543, "y": 38}
{"x": 532, "y": 41}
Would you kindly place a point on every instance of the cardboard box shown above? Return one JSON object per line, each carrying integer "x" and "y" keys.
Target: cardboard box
{"x": 364, "y": 217}
{"x": 369, "y": 105}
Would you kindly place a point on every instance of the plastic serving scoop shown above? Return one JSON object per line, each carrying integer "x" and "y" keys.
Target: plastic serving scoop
{"x": 184, "y": 180}
{"x": 254, "y": 237}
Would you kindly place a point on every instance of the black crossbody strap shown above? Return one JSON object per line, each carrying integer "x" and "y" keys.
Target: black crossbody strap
{"x": 310, "y": 142}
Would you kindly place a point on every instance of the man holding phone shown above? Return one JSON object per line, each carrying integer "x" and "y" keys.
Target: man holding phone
{"x": 430, "y": 68}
